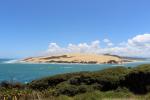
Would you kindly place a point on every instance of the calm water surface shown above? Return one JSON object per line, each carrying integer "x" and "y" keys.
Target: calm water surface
{"x": 28, "y": 72}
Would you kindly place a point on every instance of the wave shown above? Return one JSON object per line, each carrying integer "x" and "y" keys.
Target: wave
{"x": 67, "y": 67}
{"x": 10, "y": 61}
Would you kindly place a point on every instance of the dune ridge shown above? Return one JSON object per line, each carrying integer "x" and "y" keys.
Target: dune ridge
{"x": 76, "y": 58}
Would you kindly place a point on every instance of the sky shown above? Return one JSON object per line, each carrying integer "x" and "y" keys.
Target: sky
{"x": 36, "y": 27}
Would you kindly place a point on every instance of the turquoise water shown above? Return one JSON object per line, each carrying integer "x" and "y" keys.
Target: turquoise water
{"x": 29, "y": 72}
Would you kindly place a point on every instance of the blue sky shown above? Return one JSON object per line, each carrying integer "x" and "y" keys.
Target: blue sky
{"x": 28, "y": 26}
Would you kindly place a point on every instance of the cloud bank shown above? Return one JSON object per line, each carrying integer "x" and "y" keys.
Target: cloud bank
{"x": 138, "y": 46}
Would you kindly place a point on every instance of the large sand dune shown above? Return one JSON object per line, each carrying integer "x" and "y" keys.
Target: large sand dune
{"x": 76, "y": 58}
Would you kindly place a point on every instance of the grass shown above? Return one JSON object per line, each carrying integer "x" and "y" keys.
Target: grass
{"x": 111, "y": 83}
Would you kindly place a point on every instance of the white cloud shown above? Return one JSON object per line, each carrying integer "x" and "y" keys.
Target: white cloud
{"x": 106, "y": 40}
{"x": 136, "y": 46}
{"x": 140, "y": 41}
{"x": 110, "y": 44}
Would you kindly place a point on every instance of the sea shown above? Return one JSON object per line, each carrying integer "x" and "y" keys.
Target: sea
{"x": 25, "y": 72}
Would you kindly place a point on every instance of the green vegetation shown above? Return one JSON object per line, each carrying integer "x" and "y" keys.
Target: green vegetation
{"x": 118, "y": 82}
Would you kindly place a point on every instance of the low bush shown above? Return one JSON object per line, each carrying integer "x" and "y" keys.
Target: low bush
{"x": 7, "y": 84}
{"x": 138, "y": 80}
{"x": 109, "y": 83}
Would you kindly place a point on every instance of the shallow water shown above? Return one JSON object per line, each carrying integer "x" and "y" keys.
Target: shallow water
{"x": 29, "y": 72}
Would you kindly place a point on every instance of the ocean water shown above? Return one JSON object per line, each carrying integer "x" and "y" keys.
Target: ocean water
{"x": 27, "y": 72}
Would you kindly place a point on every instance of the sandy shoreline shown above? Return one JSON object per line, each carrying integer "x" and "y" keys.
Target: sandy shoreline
{"x": 75, "y": 63}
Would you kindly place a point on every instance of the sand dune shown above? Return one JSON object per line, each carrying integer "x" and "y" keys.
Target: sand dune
{"x": 76, "y": 58}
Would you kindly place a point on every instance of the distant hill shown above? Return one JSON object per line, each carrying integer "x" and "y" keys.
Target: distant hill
{"x": 127, "y": 58}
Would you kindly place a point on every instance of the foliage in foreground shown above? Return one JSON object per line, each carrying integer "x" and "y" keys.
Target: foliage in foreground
{"x": 118, "y": 82}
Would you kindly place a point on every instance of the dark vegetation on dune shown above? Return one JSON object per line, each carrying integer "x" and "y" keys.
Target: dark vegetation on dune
{"x": 135, "y": 80}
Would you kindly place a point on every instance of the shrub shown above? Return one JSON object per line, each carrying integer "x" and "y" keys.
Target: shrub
{"x": 138, "y": 80}
{"x": 97, "y": 86}
{"x": 6, "y": 84}
{"x": 71, "y": 90}
{"x": 66, "y": 89}
{"x": 52, "y": 81}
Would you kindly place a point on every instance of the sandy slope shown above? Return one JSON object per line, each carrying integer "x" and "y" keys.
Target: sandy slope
{"x": 75, "y": 58}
